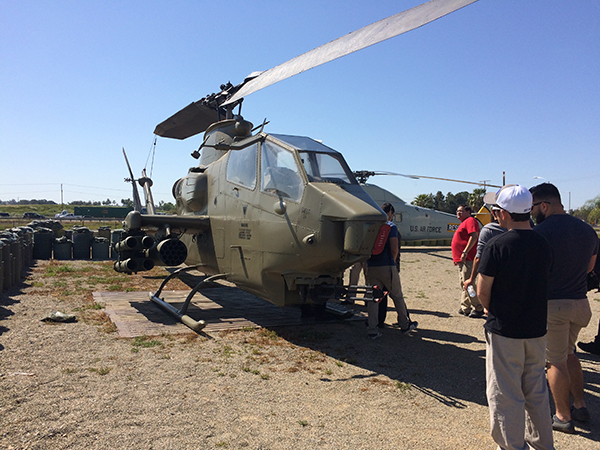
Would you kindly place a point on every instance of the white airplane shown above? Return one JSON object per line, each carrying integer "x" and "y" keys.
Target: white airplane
{"x": 417, "y": 224}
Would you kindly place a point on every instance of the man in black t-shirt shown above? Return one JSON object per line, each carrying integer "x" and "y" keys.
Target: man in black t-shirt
{"x": 512, "y": 286}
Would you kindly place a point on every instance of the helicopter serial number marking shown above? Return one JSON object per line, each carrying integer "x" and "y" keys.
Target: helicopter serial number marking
{"x": 452, "y": 227}
{"x": 245, "y": 232}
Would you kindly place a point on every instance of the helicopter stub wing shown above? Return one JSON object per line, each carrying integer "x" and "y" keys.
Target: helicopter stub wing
{"x": 357, "y": 40}
{"x": 184, "y": 224}
{"x": 191, "y": 120}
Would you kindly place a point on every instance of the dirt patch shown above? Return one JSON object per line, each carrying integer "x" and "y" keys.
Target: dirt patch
{"x": 78, "y": 385}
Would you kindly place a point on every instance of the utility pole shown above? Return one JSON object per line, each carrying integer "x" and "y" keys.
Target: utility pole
{"x": 61, "y": 197}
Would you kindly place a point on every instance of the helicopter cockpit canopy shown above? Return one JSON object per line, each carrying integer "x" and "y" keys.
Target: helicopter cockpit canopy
{"x": 321, "y": 163}
{"x": 279, "y": 173}
{"x": 282, "y": 172}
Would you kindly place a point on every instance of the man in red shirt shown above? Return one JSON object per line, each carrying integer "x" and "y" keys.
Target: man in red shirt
{"x": 464, "y": 248}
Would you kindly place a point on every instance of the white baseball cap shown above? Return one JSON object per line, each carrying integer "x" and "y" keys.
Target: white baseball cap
{"x": 490, "y": 197}
{"x": 515, "y": 199}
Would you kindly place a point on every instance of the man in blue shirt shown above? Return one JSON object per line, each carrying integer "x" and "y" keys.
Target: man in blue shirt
{"x": 575, "y": 247}
{"x": 382, "y": 272}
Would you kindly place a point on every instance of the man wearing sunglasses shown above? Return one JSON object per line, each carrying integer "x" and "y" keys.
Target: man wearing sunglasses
{"x": 575, "y": 247}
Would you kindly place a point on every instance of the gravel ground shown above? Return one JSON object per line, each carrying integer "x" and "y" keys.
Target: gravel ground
{"x": 79, "y": 386}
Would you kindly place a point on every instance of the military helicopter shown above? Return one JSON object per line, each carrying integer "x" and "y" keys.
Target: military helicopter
{"x": 280, "y": 216}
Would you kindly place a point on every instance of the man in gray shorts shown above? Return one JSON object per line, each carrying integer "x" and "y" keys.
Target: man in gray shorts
{"x": 575, "y": 247}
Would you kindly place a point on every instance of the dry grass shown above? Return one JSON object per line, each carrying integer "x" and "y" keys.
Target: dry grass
{"x": 80, "y": 386}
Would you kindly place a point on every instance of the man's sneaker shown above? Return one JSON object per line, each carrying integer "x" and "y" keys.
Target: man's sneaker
{"x": 476, "y": 314}
{"x": 463, "y": 313}
{"x": 565, "y": 427}
{"x": 375, "y": 335}
{"x": 412, "y": 326}
{"x": 580, "y": 414}
{"x": 590, "y": 347}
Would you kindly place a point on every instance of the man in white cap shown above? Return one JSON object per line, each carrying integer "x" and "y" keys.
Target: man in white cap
{"x": 575, "y": 247}
{"x": 512, "y": 286}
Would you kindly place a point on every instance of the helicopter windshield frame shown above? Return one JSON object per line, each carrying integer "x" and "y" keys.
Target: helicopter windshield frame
{"x": 321, "y": 163}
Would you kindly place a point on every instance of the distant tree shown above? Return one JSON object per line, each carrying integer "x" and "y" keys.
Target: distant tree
{"x": 127, "y": 202}
{"x": 107, "y": 202}
{"x": 423, "y": 200}
{"x": 476, "y": 199}
{"x": 581, "y": 213}
{"x": 167, "y": 207}
{"x": 453, "y": 201}
{"x": 439, "y": 201}
{"x": 594, "y": 210}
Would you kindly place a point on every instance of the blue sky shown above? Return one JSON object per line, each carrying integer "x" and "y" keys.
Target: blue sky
{"x": 497, "y": 86}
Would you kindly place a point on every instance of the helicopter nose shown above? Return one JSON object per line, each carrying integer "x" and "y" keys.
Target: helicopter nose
{"x": 359, "y": 236}
{"x": 360, "y": 215}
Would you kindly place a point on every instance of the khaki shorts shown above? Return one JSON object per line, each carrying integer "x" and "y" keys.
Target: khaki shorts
{"x": 565, "y": 319}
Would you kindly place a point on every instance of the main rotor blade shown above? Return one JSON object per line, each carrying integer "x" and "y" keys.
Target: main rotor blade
{"x": 191, "y": 120}
{"x": 357, "y": 40}
{"x": 481, "y": 183}
{"x": 365, "y": 174}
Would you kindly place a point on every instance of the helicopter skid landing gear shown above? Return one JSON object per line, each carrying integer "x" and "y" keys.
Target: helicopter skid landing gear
{"x": 318, "y": 306}
{"x": 180, "y": 314}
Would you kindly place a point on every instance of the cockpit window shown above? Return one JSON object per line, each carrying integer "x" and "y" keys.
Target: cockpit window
{"x": 241, "y": 167}
{"x": 279, "y": 172}
{"x": 325, "y": 167}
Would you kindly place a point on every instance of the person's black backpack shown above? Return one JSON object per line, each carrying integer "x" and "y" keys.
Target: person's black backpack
{"x": 593, "y": 280}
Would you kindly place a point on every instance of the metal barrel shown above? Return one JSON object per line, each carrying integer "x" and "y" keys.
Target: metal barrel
{"x": 1, "y": 267}
{"x": 6, "y": 262}
{"x": 104, "y": 232}
{"x": 17, "y": 260}
{"x": 115, "y": 237}
{"x": 100, "y": 248}
{"x": 42, "y": 243}
{"x": 63, "y": 249}
{"x": 82, "y": 242}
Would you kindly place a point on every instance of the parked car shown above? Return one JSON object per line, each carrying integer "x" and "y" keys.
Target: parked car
{"x": 32, "y": 215}
{"x": 67, "y": 215}
{"x": 3, "y": 214}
